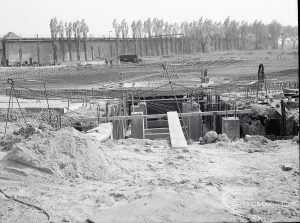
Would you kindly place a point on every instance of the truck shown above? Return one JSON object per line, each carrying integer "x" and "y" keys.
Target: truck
{"x": 130, "y": 58}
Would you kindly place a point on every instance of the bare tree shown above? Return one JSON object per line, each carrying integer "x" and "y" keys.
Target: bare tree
{"x": 157, "y": 32}
{"x": 294, "y": 36}
{"x": 117, "y": 28}
{"x": 287, "y": 31}
{"x": 234, "y": 34}
{"x": 84, "y": 29}
{"x": 124, "y": 30}
{"x": 54, "y": 32}
{"x": 244, "y": 29}
{"x": 226, "y": 32}
{"x": 68, "y": 30}
{"x": 148, "y": 29}
{"x": 167, "y": 32}
{"x": 275, "y": 30}
{"x": 61, "y": 31}
{"x": 77, "y": 36}
{"x": 140, "y": 32}
{"x": 175, "y": 31}
{"x": 134, "y": 35}
{"x": 205, "y": 33}
{"x": 185, "y": 29}
{"x": 160, "y": 33}
{"x": 260, "y": 33}
{"x": 92, "y": 46}
{"x": 38, "y": 49}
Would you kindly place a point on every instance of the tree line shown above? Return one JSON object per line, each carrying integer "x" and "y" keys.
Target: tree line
{"x": 158, "y": 37}
{"x": 201, "y": 35}
{"x": 77, "y": 30}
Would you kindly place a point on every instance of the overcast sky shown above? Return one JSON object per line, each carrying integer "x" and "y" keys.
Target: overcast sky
{"x": 29, "y": 17}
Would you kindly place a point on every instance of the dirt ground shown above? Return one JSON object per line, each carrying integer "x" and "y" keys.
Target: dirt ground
{"x": 144, "y": 180}
{"x": 151, "y": 182}
{"x": 245, "y": 63}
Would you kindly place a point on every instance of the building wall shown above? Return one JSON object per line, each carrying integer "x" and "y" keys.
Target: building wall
{"x": 1, "y": 55}
{"x": 102, "y": 48}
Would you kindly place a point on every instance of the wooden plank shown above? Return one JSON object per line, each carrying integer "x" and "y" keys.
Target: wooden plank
{"x": 210, "y": 113}
{"x": 176, "y": 134}
{"x": 157, "y": 130}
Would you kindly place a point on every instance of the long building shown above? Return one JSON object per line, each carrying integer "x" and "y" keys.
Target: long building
{"x": 15, "y": 50}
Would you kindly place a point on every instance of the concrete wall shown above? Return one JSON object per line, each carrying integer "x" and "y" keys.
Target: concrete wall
{"x": 102, "y": 48}
{"x": 1, "y": 55}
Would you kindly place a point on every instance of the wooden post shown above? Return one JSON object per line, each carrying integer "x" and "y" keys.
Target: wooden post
{"x": 143, "y": 108}
{"x": 186, "y": 109}
{"x": 98, "y": 113}
{"x": 59, "y": 120}
{"x": 200, "y": 126}
{"x": 218, "y": 102}
{"x": 215, "y": 121}
{"x": 106, "y": 110}
{"x": 247, "y": 96}
{"x": 283, "y": 117}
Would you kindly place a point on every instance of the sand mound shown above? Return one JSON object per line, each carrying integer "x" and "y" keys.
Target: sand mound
{"x": 67, "y": 153}
{"x": 257, "y": 139}
{"x": 223, "y": 138}
{"x": 255, "y": 143}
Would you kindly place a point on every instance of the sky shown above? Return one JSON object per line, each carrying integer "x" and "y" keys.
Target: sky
{"x": 30, "y": 17}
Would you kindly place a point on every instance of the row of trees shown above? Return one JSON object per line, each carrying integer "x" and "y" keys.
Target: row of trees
{"x": 159, "y": 37}
{"x": 202, "y": 35}
{"x": 152, "y": 35}
{"x": 60, "y": 31}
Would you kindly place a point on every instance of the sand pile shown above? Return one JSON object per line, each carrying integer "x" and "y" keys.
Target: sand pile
{"x": 67, "y": 153}
{"x": 223, "y": 138}
{"x": 255, "y": 143}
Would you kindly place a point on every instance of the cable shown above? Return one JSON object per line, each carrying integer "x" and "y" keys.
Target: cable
{"x": 30, "y": 205}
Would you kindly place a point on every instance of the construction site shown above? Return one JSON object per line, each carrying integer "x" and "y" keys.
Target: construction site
{"x": 210, "y": 138}
{"x": 149, "y": 111}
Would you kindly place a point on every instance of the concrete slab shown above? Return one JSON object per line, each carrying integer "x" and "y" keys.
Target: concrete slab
{"x": 176, "y": 134}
